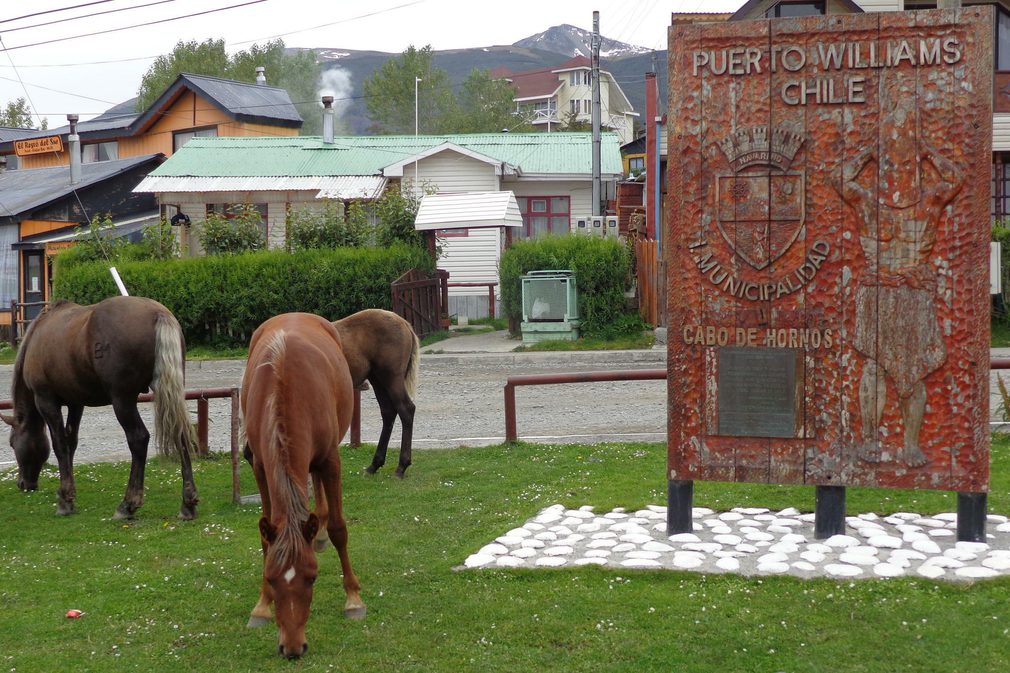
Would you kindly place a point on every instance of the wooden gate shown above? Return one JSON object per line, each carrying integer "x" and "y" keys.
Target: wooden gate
{"x": 650, "y": 272}
{"x": 422, "y": 300}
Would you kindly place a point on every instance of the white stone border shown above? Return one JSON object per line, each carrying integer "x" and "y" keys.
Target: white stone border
{"x": 751, "y": 541}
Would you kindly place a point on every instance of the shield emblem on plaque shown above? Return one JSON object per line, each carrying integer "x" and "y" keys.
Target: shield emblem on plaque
{"x": 760, "y": 214}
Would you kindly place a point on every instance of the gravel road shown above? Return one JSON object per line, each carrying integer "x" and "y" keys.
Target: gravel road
{"x": 460, "y": 402}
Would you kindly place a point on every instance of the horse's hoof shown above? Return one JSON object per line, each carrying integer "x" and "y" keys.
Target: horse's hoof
{"x": 371, "y": 469}
{"x": 187, "y": 513}
{"x": 123, "y": 514}
{"x": 65, "y": 509}
{"x": 400, "y": 474}
{"x": 256, "y": 622}
{"x": 357, "y": 614}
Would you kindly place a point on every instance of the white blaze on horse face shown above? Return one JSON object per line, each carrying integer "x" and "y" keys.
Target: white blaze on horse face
{"x": 289, "y": 575}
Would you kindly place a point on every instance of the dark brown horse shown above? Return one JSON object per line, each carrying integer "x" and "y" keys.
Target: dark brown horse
{"x": 90, "y": 356}
{"x": 381, "y": 348}
{"x": 297, "y": 400}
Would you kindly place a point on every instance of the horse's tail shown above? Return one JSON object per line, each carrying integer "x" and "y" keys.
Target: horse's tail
{"x": 413, "y": 365}
{"x": 171, "y": 420}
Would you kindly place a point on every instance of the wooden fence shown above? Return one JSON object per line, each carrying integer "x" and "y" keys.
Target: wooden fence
{"x": 650, "y": 272}
{"x": 422, "y": 301}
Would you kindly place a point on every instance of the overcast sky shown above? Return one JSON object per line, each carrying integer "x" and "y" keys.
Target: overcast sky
{"x": 92, "y": 72}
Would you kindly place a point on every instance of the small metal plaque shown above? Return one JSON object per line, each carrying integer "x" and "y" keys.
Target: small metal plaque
{"x": 757, "y": 392}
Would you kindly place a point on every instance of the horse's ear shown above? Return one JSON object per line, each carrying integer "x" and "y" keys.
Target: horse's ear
{"x": 310, "y": 527}
{"x": 267, "y": 532}
{"x": 8, "y": 419}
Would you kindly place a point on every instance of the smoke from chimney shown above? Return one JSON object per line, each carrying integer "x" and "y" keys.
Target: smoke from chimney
{"x": 336, "y": 82}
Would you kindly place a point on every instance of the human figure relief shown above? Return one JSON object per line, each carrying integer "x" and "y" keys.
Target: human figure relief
{"x": 896, "y": 320}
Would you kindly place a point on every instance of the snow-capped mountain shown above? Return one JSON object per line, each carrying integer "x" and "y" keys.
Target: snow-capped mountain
{"x": 573, "y": 41}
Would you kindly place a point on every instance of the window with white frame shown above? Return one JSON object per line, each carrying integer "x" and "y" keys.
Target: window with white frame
{"x": 180, "y": 138}
{"x": 94, "y": 152}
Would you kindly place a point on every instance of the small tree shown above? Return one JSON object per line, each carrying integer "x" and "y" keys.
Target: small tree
{"x": 159, "y": 243}
{"x": 18, "y": 115}
{"x": 96, "y": 242}
{"x": 396, "y": 212}
{"x": 237, "y": 231}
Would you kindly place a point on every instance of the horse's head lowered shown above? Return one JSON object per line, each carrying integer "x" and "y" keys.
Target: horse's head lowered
{"x": 31, "y": 448}
{"x": 290, "y": 568}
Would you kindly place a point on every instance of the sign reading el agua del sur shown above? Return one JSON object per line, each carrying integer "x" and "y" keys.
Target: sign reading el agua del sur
{"x": 829, "y": 186}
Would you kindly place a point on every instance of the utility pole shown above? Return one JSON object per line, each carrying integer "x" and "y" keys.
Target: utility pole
{"x": 597, "y": 181}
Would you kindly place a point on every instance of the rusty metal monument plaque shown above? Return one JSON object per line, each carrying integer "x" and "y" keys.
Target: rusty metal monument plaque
{"x": 829, "y": 182}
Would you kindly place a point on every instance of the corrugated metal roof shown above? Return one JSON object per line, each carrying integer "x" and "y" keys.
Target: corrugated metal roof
{"x": 539, "y": 154}
{"x": 468, "y": 210}
{"x": 25, "y": 189}
{"x": 329, "y": 187}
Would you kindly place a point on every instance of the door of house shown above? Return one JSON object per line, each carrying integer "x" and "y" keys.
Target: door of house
{"x": 33, "y": 282}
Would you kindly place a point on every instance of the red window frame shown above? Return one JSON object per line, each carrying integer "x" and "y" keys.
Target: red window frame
{"x": 556, "y": 219}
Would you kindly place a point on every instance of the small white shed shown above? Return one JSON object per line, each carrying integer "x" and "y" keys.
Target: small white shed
{"x": 470, "y": 227}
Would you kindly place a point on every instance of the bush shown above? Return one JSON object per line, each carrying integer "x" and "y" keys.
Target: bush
{"x": 1001, "y": 234}
{"x": 96, "y": 243}
{"x": 237, "y": 231}
{"x": 219, "y": 300}
{"x": 602, "y": 269}
{"x": 311, "y": 230}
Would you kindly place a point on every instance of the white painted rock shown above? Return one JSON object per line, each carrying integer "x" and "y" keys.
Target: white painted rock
{"x": 926, "y": 546}
{"x": 842, "y": 570}
{"x": 703, "y": 547}
{"x": 960, "y": 554}
{"x": 533, "y": 543}
{"x": 885, "y": 541}
{"x": 731, "y": 540}
{"x": 524, "y": 552}
{"x": 784, "y": 548}
{"x": 598, "y": 553}
{"x": 590, "y": 527}
{"x": 746, "y": 548}
{"x": 509, "y": 562}
{"x": 931, "y": 571}
{"x": 841, "y": 541}
{"x": 478, "y": 560}
{"x": 551, "y": 561}
{"x": 728, "y": 563}
{"x": 624, "y": 546}
{"x": 546, "y": 536}
{"x": 1000, "y": 563}
{"x": 654, "y": 555}
{"x": 759, "y": 536}
{"x": 804, "y": 566}
{"x": 604, "y": 535}
{"x": 772, "y": 558}
{"x": 684, "y": 537}
{"x": 509, "y": 540}
{"x": 600, "y": 544}
{"x": 561, "y": 550}
{"x": 941, "y": 532}
{"x": 812, "y": 556}
{"x": 589, "y": 560}
{"x": 641, "y": 563}
{"x": 859, "y": 559}
{"x": 652, "y": 545}
{"x": 686, "y": 560}
{"x": 493, "y": 549}
{"x": 773, "y": 568}
{"x": 888, "y": 570}
{"x": 975, "y": 572}
{"x": 636, "y": 538}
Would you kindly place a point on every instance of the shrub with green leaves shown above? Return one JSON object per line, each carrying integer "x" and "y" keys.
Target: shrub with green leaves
{"x": 329, "y": 227}
{"x": 220, "y": 299}
{"x": 236, "y": 231}
{"x": 602, "y": 269}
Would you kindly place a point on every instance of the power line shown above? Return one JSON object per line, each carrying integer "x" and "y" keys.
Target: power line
{"x": 54, "y": 11}
{"x": 86, "y": 16}
{"x": 139, "y": 25}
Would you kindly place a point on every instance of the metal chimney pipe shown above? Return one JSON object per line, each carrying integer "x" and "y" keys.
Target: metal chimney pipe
{"x": 74, "y": 148}
{"x": 328, "y": 120}
{"x": 261, "y": 77}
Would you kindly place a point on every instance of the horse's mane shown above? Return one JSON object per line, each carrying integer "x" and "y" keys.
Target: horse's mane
{"x": 290, "y": 541}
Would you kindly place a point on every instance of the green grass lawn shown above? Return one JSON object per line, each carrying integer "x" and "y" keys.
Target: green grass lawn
{"x": 163, "y": 595}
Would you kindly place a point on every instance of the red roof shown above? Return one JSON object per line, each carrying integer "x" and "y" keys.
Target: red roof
{"x": 540, "y": 82}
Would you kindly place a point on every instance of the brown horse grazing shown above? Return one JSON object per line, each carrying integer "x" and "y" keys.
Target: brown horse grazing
{"x": 76, "y": 356}
{"x": 297, "y": 400}
{"x": 381, "y": 348}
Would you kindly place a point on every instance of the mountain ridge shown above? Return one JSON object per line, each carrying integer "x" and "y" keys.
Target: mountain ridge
{"x": 345, "y": 70}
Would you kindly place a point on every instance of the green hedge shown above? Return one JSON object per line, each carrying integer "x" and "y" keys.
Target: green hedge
{"x": 602, "y": 269}
{"x": 221, "y": 299}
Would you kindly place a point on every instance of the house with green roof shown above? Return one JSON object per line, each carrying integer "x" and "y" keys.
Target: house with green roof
{"x": 549, "y": 174}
